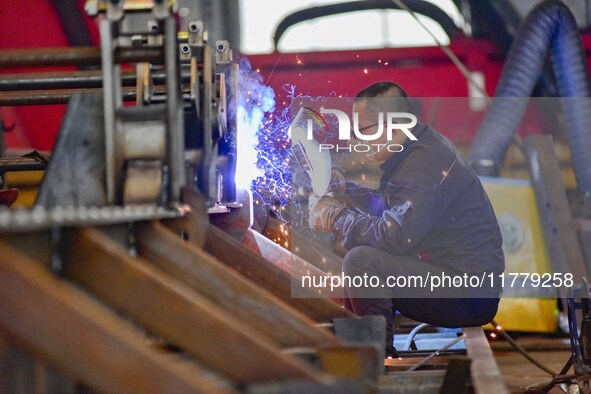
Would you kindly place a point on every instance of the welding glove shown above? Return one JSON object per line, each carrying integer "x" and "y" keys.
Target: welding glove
{"x": 338, "y": 185}
{"x": 323, "y": 211}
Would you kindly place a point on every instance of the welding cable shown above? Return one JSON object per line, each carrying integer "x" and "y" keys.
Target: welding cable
{"x": 551, "y": 25}
{"x": 452, "y": 56}
{"x": 457, "y": 62}
{"x": 418, "y": 6}
{"x": 437, "y": 352}
{"x": 412, "y": 334}
{"x": 524, "y": 353}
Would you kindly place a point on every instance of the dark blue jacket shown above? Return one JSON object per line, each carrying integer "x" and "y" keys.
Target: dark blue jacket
{"x": 430, "y": 204}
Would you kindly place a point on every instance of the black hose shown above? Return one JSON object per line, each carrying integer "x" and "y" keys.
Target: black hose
{"x": 521, "y": 350}
{"x": 418, "y": 6}
{"x": 549, "y": 25}
{"x": 72, "y": 20}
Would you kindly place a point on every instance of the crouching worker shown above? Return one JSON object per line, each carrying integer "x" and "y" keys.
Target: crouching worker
{"x": 428, "y": 236}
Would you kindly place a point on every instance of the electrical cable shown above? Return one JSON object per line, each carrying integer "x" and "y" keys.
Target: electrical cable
{"x": 436, "y": 353}
{"x": 452, "y": 56}
{"x": 456, "y": 61}
{"x": 521, "y": 350}
{"x": 412, "y": 334}
{"x": 420, "y": 7}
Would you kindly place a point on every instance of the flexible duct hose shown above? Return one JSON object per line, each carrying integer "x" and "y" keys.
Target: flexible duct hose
{"x": 549, "y": 25}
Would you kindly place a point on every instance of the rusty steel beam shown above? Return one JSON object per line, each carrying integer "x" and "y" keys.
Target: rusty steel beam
{"x": 75, "y": 56}
{"x": 172, "y": 309}
{"x": 23, "y": 372}
{"x": 228, "y": 289}
{"x": 353, "y": 362}
{"x": 289, "y": 262}
{"x": 267, "y": 275}
{"x": 484, "y": 371}
{"x": 65, "y": 326}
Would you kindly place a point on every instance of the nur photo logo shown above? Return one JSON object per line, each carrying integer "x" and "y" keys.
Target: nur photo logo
{"x": 361, "y": 139}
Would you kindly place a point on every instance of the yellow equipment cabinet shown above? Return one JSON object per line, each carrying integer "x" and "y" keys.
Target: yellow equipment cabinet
{"x": 525, "y": 252}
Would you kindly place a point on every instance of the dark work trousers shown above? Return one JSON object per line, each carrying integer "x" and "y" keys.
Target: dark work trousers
{"x": 442, "y": 306}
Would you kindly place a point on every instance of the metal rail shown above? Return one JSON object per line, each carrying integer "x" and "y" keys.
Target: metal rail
{"x": 87, "y": 79}
{"x": 39, "y": 219}
{"x": 47, "y": 97}
{"x": 21, "y": 164}
{"x": 485, "y": 374}
{"x": 75, "y": 56}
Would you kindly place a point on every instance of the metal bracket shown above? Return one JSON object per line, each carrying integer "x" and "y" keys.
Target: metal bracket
{"x": 223, "y": 53}
{"x": 195, "y": 29}
{"x": 114, "y": 9}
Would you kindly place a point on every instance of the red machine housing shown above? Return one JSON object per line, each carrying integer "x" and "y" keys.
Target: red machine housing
{"x": 421, "y": 71}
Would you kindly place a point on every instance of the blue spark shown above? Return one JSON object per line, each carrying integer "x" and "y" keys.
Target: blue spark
{"x": 264, "y": 157}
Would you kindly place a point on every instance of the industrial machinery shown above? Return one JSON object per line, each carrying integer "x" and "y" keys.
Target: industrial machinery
{"x": 182, "y": 85}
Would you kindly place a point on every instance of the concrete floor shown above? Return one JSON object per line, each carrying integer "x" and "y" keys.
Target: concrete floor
{"x": 520, "y": 373}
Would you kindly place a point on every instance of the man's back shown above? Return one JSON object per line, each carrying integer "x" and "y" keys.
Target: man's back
{"x": 463, "y": 233}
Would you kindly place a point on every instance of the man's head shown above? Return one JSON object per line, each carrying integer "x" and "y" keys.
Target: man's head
{"x": 381, "y": 97}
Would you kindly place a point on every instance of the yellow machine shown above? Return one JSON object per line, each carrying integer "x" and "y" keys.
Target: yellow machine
{"x": 525, "y": 252}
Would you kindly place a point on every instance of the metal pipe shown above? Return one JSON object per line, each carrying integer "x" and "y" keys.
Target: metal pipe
{"x": 20, "y": 164}
{"x": 175, "y": 121}
{"x": 412, "y": 334}
{"x": 70, "y": 80}
{"x": 36, "y": 97}
{"x": 78, "y": 56}
{"x": 436, "y": 353}
{"x": 58, "y": 80}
